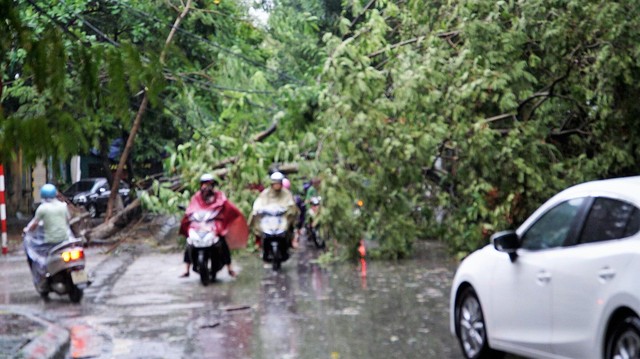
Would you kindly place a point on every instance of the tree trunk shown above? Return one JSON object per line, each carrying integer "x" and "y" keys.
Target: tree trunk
{"x": 136, "y": 124}
{"x": 125, "y": 154}
{"x": 115, "y": 223}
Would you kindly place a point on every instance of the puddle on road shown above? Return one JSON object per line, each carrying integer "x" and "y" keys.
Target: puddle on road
{"x": 143, "y": 299}
{"x": 400, "y": 309}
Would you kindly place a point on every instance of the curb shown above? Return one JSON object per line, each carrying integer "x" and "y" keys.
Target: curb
{"x": 50, "y": 342}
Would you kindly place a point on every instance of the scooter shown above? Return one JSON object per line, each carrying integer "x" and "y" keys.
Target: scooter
{"x": 275, "y": 235}
{"x": 58, "y": 268}
{"x": 313, "y": 230}
{"x": 205, "y": 245}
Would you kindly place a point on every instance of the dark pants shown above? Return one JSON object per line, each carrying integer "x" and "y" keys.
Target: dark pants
{"x": 220, "y": 251}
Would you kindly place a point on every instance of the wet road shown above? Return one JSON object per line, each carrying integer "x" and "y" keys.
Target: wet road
{"x": 138, "y": 307}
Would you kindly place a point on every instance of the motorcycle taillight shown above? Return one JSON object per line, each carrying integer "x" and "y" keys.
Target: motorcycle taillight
{"x": 72, "y": 255}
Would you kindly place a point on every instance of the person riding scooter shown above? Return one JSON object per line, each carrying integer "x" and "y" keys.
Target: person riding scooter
{"x": 55, "y": 257}
{"x": 54, "y": 214}
{"x": 313, "y": 230}
{"x": 229, "y": 222}
{"x": 278, "y": 198}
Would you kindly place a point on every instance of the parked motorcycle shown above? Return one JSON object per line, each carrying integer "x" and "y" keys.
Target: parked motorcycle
{"x": 58, "y": 268}
{"x": 275, "y": 235}
{"x": 205, "y": 245}
{"x": 313, "y": 225}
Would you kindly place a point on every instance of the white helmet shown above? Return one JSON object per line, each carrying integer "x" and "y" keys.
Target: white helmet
{"x": 206, "y": 178}
{"x": 276, "y": 177}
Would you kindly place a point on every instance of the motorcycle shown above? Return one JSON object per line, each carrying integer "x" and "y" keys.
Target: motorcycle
{"x": 313, "y": 230}
{"x": 58, "y": 268}
{"x": 205, "y": 245}
{"x": 275, "y": 235}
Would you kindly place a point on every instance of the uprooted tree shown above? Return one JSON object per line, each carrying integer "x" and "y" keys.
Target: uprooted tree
{"x": 449, "y": 120}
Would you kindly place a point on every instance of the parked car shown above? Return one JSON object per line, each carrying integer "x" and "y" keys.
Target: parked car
{"x": 563, "y": 285}
{"x": 93, "y": 194}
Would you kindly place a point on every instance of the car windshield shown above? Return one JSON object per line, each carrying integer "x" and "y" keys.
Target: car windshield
{"x": 82, "y": 186}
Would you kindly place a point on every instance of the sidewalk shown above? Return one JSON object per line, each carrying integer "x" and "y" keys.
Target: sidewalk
{"x": 24, "y": 336}
{"x": 14, "y": 233}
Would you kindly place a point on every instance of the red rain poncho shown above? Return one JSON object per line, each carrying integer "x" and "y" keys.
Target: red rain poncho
{"x": 230, "y": 222}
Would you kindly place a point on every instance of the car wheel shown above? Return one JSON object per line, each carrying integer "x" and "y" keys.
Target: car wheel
{"x": 471, "y": 328}
{"x": 624, "y": 341}
{"x": 93, "y": 211}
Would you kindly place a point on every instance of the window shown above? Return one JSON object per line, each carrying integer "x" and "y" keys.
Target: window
{"x": 84, "y": 186}
{"x": 551, "y": 230}
{"x": 610, "y": 219}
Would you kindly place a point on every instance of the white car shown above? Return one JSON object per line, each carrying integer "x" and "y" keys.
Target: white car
{"x": 565, "y": 284}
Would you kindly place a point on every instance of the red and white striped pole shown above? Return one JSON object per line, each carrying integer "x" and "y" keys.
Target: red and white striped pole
{"x": 3, "y": 213}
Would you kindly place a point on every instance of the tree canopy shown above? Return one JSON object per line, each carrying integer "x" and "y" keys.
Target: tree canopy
{"x": 448, "y": 119}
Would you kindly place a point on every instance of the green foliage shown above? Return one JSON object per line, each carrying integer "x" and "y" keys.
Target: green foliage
{"x": 478, "y": 111}
{"x": 448, "y": 119}
{"x": 160, "y": 198}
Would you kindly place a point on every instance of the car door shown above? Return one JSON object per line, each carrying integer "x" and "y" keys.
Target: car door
{"x": 585, "y": 276}
{"x": 521, "y": 315}
{"x": 102, "y": 193}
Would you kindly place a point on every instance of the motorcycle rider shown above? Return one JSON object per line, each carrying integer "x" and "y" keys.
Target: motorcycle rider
{"x": 286, "y": 184}
{"x": 278, "y": 195}
{"x": 209, "y": 197}
{"x": 54, "y": 215}
{"x": 312, "y": 191}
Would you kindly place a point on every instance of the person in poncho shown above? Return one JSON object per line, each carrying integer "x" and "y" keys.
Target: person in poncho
{"x": 231, "y": 225}
{"x": 276, "y": 194}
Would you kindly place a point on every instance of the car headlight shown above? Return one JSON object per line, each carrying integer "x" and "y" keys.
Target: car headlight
{"x": 81, "y": 199}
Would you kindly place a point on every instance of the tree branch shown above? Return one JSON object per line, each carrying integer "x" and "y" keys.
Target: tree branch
{"x": 226, "y": 161}
{"x": 537, "y": 105}
{"x": 266, "y": 133}
{"x": 444, "y": 35}
{"x": 448, "y": 34}
{"x": 399, "y": 44}
{"x": 500, "y": 117}
{"x": 361, "y": 15}
{"x": 138, "y": 120}
{"x": 219, "y": 168}
{"x": 569, "y": 132}
{"x": 451, "y": 44}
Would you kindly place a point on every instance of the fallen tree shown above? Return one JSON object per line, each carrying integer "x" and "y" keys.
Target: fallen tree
{"x": 116, "y": 223}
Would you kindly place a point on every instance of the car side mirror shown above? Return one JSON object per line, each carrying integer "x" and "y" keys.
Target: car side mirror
{"x": 507, "y": 242}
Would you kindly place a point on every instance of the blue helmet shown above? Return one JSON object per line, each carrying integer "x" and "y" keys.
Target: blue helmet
{"x": 48, "y": 191}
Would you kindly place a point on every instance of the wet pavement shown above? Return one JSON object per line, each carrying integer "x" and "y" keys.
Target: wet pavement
{"x": 138, "y": 307}
{"x": 16, "y": 332}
